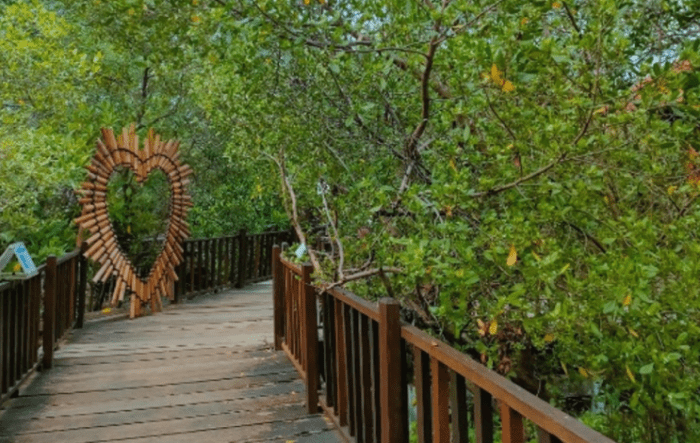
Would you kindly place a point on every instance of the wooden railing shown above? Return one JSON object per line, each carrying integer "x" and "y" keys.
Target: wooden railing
{"x": 213, "y": 263}
{"x": 367, "y": 360}
{"x": 35, "y": 313}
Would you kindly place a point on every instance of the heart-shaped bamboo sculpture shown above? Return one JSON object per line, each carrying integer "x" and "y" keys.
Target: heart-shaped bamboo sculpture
{"x": 111, "y": 153}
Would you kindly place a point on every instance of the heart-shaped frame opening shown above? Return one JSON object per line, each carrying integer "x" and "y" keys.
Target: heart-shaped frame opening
{"x": 139, "y": 214}
{"x": 113, "y": 152}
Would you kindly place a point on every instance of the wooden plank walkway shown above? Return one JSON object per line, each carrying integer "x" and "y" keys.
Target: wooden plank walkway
{"x": 203, "y": 371}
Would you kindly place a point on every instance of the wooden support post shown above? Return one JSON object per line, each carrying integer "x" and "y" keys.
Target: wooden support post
{"x": 200, "y": 266}
{"x": 545, "y": 437}
{"x": 421, "y": 376}
{"x": 207, "y": 264}
{"x": 341, "y": 408}
{"x": 483, "y": 416}
{"x": 458, "y": 408}
{"x": 365, "y": 380}
{"x": 82, "y": 286}
{"x": 4, "y": 319}
{"x": 49, "y": 312}
{"x": 512, "y": 423}
{"x": 310, "y": 331}
{"x": 242, "y": 258}
{"x": 441, "y": 406}
{"x": 232, "y": 261}
{"x": 277, "y": 297}
{"x": 72, "y": 288}
{"x": 390, "y": 359}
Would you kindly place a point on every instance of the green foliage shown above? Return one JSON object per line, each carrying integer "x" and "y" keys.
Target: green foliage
{"x": 529, "y": 169}
{"x": 532, "y": 134}
{"x": 73, "y": 66}
{"x": 139, "y": 215}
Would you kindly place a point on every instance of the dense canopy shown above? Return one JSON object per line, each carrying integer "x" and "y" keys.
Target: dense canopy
{"x": 522, "y": 176}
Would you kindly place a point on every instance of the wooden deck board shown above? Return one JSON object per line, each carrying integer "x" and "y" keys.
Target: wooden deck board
{"x": 202, "y": 371}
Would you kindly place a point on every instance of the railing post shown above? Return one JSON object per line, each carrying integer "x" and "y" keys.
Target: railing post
{"x": 512, "y": 423}
{"x": 49, "y": 311}
{"x": 82, "y": 286}
{"x": 277, "y": 296}
{"x": 390, "y": 395}
{"x": 242, "y": 256}
{"x": 232, "y": 261}
{"x": 483, "y": 416}
{"x": 310, "y": 331}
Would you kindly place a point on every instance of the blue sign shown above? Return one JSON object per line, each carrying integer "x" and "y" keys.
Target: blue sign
{"x": 25, "y": 259}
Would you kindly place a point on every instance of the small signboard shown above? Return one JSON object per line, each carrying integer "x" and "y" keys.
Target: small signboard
{"x": 25, "y": 260}
{"x": 301, "y": 250}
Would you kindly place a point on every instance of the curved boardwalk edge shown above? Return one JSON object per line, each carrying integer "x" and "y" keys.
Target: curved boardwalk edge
{"x": 202, "y": 371}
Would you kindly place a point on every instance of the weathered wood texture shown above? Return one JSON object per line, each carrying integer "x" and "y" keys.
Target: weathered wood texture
{"x": 28, "y": 337}
{"x": 211, "y": 264}
{"x": 368, "y": 358}
{"x": 205, "y": 371}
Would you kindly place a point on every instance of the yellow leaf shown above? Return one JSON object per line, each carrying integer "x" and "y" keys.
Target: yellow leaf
{"x": 16, "y": 267}
{"x": 496, "y": 75}
{"x": 633, "y": 332}
{"x": 128, "y": 229}
{"x": 482, "y": 327}
{"x": 195, "y": 19}
{"x": 671, "y": 189}
{"x": 628, "y": 300}
{"x": 508, "y": 86}
{"x": 306, "y": 2}
{"x": 524, "y": 21}
{"x": 453, "y": 165}
{"x": 512, "y": 256}
{"x": 583, "y": 372}
{"x": 106, "y": 310}
{"x": 537, "y": 257}
{"x": 563, "y": 366}
{"x": 548, "y": 338}
{"x": 556, "y": 5}
{"x": 493, "y": 328}
{"x": 630, "y": 374}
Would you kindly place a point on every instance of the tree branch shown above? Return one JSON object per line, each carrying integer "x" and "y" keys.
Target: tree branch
{"x": 588, "y": 236}
{"x": 571, "y": 18}
{"x": 336, "y": 237}
{"x": 542, "y": 170}
{"x": 360, "y": 275}
{"x": 287, "y": 186}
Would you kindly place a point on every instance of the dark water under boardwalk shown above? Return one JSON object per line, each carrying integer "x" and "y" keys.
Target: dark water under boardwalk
{"x": 203, "y": 371}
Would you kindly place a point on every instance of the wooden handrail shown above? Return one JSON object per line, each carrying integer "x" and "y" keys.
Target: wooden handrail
{"x": 61, "y": 297}
{"x": 361, "y": 338}
{"x": 552, "y": 420}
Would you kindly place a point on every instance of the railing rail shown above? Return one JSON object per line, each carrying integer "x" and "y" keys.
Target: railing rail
{"x": 35, "y": 313}
{"x": 367, "y": 359}
{"x": 213, "y": 263}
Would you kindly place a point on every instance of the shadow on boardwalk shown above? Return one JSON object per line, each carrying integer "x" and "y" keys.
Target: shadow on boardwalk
{"x": 203, "y": 371}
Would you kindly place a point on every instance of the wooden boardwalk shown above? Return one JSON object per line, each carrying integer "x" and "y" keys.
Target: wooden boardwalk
{"x": 203, "y": 371}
